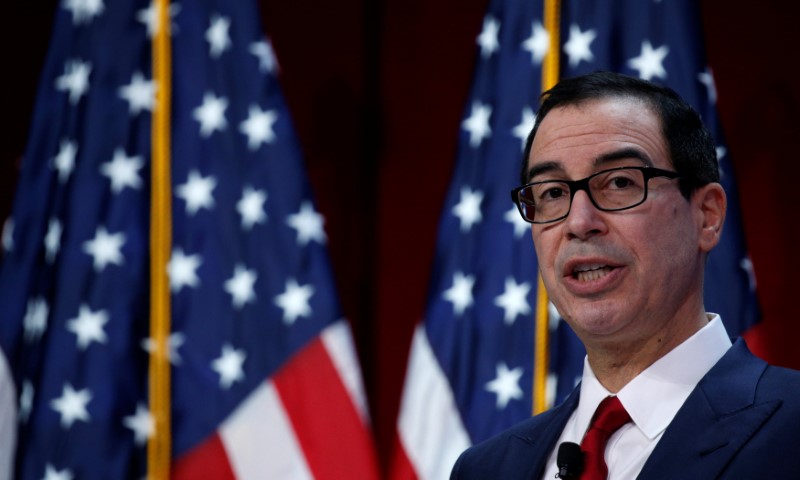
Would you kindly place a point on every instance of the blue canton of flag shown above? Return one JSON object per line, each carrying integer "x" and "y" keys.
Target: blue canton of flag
{"x": 258, "y": 351}
{"x": 472, "y": 358}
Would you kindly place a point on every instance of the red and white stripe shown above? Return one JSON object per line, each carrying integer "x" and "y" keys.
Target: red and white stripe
{"x": 307, "y": 421}
{"x": 430, "y": 432}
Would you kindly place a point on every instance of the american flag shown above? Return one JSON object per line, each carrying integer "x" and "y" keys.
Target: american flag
{"x": 265, "y": 382}
{"x": 471, "y": 365}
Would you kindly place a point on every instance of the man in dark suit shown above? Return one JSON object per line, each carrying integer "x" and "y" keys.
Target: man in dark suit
{"x": 621, "y": 184}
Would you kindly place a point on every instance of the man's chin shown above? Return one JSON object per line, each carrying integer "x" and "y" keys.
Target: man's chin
{"x": 593, "y": 320}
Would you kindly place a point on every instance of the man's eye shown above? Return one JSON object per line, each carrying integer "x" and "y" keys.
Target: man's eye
{"x": 621, "y": 182}
{"x": 552, "y": 193}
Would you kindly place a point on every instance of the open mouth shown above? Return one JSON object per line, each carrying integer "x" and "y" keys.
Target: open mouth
{"x": 589, "y": 273}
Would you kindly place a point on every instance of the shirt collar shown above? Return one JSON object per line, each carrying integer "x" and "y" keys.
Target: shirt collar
{"x": 654, "y": 396}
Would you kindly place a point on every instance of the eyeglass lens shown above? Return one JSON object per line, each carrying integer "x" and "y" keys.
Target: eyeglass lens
{"x": 609, "y": 190}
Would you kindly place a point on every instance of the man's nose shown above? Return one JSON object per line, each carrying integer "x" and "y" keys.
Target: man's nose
{"x": 584, "y": 219}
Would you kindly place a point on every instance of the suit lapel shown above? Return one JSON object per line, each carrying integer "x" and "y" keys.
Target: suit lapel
{"x": 533, "y": 446}
{"x": 715, "y": 421}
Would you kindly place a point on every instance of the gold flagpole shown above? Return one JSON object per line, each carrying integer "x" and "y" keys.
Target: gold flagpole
{"x": 550, "y": 71}
{"x": 159, "y": 446}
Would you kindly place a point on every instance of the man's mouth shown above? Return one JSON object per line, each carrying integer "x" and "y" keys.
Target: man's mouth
{"x": 590, "y": 273}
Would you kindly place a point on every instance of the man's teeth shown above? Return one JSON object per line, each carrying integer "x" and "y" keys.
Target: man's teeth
{"x": 588, "y": 274}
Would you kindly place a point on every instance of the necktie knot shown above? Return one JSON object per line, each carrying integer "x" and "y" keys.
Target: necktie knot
{"x": 608, "y": 418}
{"x": 610, "y": 415}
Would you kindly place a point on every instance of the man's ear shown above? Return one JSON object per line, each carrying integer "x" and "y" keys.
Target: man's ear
{"x": 712, "y": 204}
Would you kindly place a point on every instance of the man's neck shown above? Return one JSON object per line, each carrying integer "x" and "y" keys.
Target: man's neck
{"x": 617, "y": 363}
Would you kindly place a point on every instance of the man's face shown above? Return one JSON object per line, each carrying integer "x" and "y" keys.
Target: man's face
{"x": 617, "y": 276}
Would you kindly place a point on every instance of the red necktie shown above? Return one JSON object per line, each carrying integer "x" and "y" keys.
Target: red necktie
{"x": 608, "y": 418}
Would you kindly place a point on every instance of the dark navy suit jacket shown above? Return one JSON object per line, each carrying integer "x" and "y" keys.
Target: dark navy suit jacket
{"x": 741, "y": 422}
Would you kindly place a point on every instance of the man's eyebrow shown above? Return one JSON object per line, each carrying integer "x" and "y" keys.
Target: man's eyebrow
{"x": 609, "y": 157}
{"x": 623, "y": 154}
{"x": 543, "y": 167}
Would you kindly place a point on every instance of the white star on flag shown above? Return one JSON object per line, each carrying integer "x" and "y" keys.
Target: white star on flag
{"x": 88, "y": 326}
{"x": 148, "y": 16}
{"x": 140, "y": 94}
{"x": 258, "y": 126}
{"x": 553, "y": 316}
{"x": 217, "y": 35}
{"x": 649, "y": 63}
{"x": 229, "y": 366}
{"x": 105, "y": 248}
{"x": 267, "y": 62}
{"x": 251, "y": 207}
{"x": 123, "y": 171}
{"x": 538, "y": 43}
{"x": 707, "y": 79}
{"x": 240, "y": 286}
{"x": 505, "y": 385}
{"x": 747, "y": 265}
{"x": 721, "y": 152}
{"x": 578, "y": 47}
{"x": 71, "y": 405}
{"x": 52, "y": 240}
{"x": 26, "y": 400}
{"x": 174, "y": 342}
{"x": 211, "y": 114}
{"x": 460, "y": 294}
{"x": 142, "y": 423}
{"x": 468, "y": 209}
{"x": 197, "y": 192}
{"x": 551, "y": 387}
{"x": 51, "y": 473}
{"x": 488, "y": 37}
{"x": 35, "y": 320}
{"x": 308, "y": 224}
{"x": 182, "y": 270}
{"x": 478, "y": 123}
{"x": 525, "y": 126}
{"x": 64, "y": 161}
{"x": 75, "y": 79}
{"x": 294, "y": 301}
{"x": 8, "y": 235}
{"x": 513, "y": 217}
{"x": 83, "y": 11}
{"x": 514, "y": 300}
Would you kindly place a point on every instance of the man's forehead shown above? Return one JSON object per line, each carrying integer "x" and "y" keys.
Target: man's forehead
{"x": 612, "y": 108}
{"x": 597, "y": 133}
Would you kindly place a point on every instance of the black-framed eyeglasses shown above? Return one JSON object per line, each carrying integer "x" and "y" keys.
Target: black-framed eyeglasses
{"x": 609, "y": 190}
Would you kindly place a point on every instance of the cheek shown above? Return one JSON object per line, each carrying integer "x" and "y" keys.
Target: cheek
{"x": 546, "y": 254}
{"x": 669, "y": 244}
{"x": 545, "y": 248}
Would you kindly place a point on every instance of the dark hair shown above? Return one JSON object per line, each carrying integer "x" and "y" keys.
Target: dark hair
{"x": 691, "y": 147}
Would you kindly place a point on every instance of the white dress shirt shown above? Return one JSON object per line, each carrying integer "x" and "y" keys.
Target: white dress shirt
{"x": 652, "y": 399}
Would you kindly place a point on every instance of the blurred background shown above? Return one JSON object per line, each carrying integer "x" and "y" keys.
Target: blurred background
{"x": 377, "y": 92}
